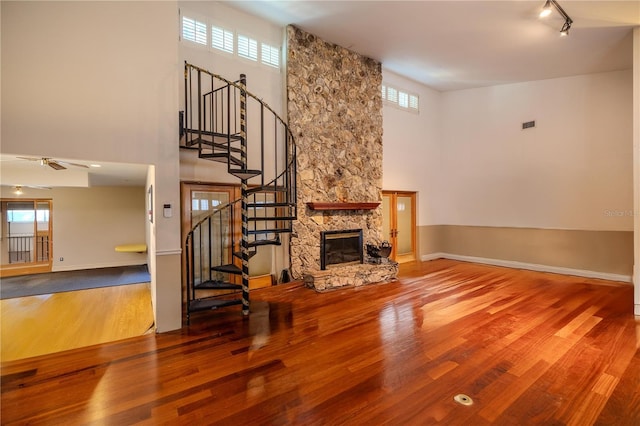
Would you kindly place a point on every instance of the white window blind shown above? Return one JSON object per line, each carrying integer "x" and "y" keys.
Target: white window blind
{"x": 222, "y": 39}
{"x": 247, "y": 47}
{"x": 270, "y": 55}
{"x": 392, "y": 95}
{"x": 400, "y": 98}
{"x": 413, "y": 102}
{"x": 194, "y": 31}
{"x": 403, "y": 99}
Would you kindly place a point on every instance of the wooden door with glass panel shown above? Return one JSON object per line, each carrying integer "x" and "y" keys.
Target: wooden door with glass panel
{"x": 198, "y": 200}
{"x": 399, "y": 224}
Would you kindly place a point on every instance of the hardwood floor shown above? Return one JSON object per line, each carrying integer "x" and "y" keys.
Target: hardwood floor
{"x": 527, "y": 347}
{"x": 37, "y": 325}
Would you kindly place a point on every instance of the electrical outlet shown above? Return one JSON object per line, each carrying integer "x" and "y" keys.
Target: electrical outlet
{"x": 62, "y": 259}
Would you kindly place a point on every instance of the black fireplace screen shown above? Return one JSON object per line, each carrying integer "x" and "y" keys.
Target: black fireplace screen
{"x": 338, "y": 247}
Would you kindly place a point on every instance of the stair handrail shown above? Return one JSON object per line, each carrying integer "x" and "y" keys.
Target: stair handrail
{"x": 241, "y": 87}
{"x": 230, "y": 204}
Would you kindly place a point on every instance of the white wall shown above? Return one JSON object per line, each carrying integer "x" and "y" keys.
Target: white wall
{"x": 89, "y": 222}
{"x": 572, "y": 171}
{"x": 98, "y": 81}
{"x": 411, "y": 147}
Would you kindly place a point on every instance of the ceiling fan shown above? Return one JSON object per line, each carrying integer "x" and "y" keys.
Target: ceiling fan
{"x": 54, "y": 164}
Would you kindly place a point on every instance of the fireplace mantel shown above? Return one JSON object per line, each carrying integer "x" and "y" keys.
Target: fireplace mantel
{"x": 342, "y": 206}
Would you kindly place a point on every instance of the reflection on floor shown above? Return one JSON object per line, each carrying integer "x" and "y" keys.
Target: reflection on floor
{"x": 49, "y": 323}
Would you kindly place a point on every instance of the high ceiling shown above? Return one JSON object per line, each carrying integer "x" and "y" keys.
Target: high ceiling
{"x": 446, "y": 45}
{"x": 451, "y": 45}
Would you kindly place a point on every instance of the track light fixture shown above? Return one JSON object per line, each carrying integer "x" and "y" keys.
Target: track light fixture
{"x": 546, "y": 11}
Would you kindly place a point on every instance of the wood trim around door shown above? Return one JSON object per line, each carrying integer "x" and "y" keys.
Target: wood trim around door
{"x": 408, "y": 257}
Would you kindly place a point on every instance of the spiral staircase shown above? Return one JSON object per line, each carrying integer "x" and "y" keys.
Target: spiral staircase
{"x": 215, "y": 123}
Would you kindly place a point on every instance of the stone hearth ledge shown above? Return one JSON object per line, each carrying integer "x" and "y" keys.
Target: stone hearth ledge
{"x": 350, "y": 276}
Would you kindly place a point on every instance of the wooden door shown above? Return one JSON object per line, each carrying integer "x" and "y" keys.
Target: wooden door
{"x": 198, "y": 200}
{"x": 399, "y": 224}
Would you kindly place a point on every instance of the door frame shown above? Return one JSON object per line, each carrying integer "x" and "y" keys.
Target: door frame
{"x": 33, "y": 267}
{"x": 393, "y": 194}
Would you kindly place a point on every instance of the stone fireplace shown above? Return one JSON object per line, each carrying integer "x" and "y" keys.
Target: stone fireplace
{"x": 335, "y": 113}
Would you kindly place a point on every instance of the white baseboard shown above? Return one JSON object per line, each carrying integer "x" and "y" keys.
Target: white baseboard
{"x": 530, "y": 266}
{"x": 98, "y": 265}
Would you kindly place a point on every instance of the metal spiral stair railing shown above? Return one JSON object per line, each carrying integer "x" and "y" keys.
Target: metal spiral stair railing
{"x": 215, "y": 123}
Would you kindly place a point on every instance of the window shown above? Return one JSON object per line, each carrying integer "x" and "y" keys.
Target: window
{"x": 207, "y": 33}
{"x": 413, "y": 102}
{"x": 194, "y": 31}
{"x": 400, "y": 98}
{"x": 270, "y": 55}
{"x": 403, "y": 99}
{"x": 247, "y": 47}
{"x": 221, "y": 39}
{"x": 392, "y": 95}
{"x": 27, "y": 216}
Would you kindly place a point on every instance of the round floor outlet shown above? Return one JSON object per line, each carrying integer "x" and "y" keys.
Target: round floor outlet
{"x": 463, "y": 399}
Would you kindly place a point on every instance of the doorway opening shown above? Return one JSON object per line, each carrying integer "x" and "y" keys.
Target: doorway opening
{"x": 25, "y": 236}
{"x": 399, "y": 224}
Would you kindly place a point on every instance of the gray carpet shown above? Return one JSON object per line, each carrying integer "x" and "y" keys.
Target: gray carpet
{"x": 56, "y": 282}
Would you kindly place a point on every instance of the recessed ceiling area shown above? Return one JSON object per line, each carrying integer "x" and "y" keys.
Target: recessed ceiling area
{"x": 28, "y": 170}
{"x": 450, "y": 45}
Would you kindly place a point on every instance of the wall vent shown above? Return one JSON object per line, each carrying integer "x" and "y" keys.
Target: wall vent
{"x": 528, "y": 125}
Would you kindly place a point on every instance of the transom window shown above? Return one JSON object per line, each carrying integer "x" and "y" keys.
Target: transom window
{"x": 270, "y": 55}
{"x": 217, "y": 38}
{"x": 194, "y": 31}
{"x": 400, "y": 98}
{"x": 247, "y": 47}
{"x": 221, "y": 39}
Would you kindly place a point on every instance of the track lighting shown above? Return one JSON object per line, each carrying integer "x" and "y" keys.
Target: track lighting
{"x": 546, "y": 11}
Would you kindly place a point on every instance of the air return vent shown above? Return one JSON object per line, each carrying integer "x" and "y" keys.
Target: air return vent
{"x": 528, "y": 125}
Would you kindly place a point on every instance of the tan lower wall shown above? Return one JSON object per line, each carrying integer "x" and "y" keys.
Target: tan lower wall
{"x": 608, "y": 252}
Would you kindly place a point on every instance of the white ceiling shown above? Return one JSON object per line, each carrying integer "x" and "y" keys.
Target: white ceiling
{"x": 451, "y": 45}
{"x": 18, "y": 171}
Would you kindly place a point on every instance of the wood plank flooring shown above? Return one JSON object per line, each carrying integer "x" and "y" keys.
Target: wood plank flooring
{"x": 527, "y": 347}
{"x": 37, "y": 325}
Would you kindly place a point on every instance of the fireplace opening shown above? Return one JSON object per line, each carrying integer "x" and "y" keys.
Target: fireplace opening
{"x": 340, "y": 247}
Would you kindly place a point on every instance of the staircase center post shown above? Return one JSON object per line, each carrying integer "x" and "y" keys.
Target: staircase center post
{"x": 244, "y": 187}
